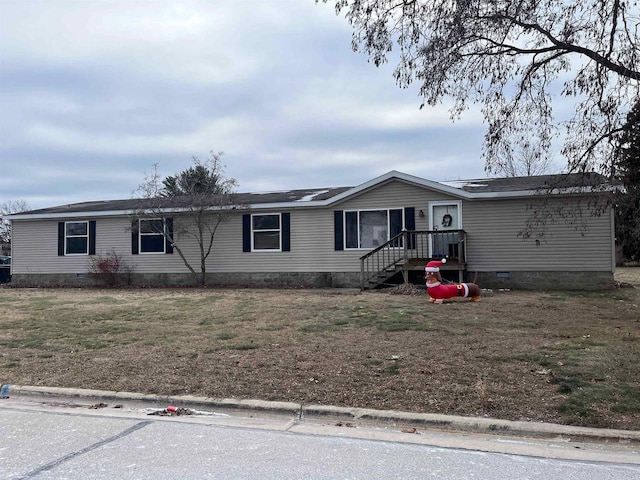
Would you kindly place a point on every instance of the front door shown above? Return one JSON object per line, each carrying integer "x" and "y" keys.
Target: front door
{"x": 445, "y": 221}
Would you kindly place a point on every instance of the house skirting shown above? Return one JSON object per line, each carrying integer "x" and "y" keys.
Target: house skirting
{"x": 254, "y": 279}
{"x": 495, "y": 280}
{"x": 574, "y": 281}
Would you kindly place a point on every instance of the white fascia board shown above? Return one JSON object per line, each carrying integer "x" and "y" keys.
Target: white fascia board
{"x": 456, "y": 192}
{"x": 407, "y": 178}
{"x": 360, "y": 188}
{"x": 257, "y": 206}
{"x": 44, "y": 216}
{"x": 296, "y": 204}
{"x": 263, "y": 206}
{"x": 105, "y": 213}
{"x": 536, "y": 193}
{"x": 364, "y": 186}
{"x": 500, "y": 195}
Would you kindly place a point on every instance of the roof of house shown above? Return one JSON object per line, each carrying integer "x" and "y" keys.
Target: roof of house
{"x": 308, "y": 195}
{"x": 531, "y": 183}
{"x": 487, "y": 188}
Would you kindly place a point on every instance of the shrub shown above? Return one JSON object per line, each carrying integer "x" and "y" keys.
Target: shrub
{"x": 110, "y": 269}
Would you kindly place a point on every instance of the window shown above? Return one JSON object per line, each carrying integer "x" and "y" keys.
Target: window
{"x": 151, "y": 236}
{"x": 148, "y": 235}
{"x": 265, "y": 232}
{"x": 371, "y": 228}
{"x": 444, "y": 216}
{"x": 77, "y": 238}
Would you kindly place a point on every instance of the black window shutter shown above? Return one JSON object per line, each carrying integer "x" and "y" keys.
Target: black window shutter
{"x": 395, "y": 222}
{"x": 246, "y": 232}
{"x": 134, "y": 236}
{"x": 410, "y": 224}
{"x": 286, "y": 232}
{"x": 61, "y": 239}
{"x": 168, "y": 244}
{"x": 338, "y": 228}
{"x": 92, "y": 237}
{"x": 410, "y": 218}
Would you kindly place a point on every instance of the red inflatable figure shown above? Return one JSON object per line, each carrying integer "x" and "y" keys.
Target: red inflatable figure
{"x": 439, "y": 292}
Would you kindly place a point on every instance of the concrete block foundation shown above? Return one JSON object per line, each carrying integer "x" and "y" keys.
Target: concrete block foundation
{"x": 253, "y": 279}
{"x": 574, "y": 281}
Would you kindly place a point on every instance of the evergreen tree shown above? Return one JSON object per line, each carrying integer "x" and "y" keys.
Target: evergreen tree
{"x": 627, "y": 173}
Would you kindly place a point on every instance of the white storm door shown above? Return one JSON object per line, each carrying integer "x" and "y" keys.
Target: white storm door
{"x": 445, "y": 219}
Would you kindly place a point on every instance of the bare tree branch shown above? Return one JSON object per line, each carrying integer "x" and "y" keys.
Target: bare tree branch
{"x": 8, "y": 208}
{"x": 198, "y": 200}
{"x": 519, "y": 60}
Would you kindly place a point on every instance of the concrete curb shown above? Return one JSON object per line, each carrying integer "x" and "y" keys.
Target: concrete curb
{"x": 324, "y": 413}
{"x": 282, "y": 408}
{"x": 434, "y": 421}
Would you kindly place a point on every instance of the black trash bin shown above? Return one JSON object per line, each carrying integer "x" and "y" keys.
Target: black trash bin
{"x": 5, "y": 269}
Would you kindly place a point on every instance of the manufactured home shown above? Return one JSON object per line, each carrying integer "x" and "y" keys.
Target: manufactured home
{"x": 377, "y": 233}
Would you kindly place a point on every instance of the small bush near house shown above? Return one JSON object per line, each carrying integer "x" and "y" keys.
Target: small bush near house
{"x": 110, "y": 269}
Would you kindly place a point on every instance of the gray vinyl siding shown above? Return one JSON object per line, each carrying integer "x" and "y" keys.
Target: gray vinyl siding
{"x": 491, "y": 226}
{"x": 36, "y": 248}
{"x": 493, "y": 243}
{"x": 312, "y": 235}
{"x": 394, "y": 194}
{"x": 312, "y": 241}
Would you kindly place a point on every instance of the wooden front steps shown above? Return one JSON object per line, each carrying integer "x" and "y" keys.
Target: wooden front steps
{"x": 411, "y": 250}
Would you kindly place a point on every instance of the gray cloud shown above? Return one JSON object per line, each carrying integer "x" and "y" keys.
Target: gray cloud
{"x": 93, "y": 93}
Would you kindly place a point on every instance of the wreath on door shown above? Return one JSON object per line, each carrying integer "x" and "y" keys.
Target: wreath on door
{"x": 447, "y": 220}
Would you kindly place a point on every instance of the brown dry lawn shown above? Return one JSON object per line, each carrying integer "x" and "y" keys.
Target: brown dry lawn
{"x": 542, "y": 356}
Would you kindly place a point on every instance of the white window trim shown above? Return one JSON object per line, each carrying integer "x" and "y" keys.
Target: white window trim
{"x": 266, "y": 230}
{"x": 366, "y": 249}
{"x": 75, "y": 236}
{"x": 140, "y": 234}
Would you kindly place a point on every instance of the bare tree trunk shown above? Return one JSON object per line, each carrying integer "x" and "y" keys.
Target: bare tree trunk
{"x": 193, "y": 272}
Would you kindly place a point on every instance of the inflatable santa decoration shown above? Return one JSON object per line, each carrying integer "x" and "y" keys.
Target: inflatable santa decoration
{"x": 439, "y": 292}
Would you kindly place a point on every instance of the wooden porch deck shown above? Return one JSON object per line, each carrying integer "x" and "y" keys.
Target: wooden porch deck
{"x": 411, "y": 250}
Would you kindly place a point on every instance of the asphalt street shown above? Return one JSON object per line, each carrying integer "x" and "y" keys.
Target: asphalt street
{"x": 55, "y": 439}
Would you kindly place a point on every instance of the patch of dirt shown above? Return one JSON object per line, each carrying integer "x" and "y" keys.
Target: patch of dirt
{"x": 628, "y": 277}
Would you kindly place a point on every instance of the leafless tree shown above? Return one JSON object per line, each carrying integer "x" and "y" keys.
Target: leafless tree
{"x": 521, "y": 61}
{"x": 197, "y": 200}
{"x": 525, "y": 160}
{"x": 7, "y": 208}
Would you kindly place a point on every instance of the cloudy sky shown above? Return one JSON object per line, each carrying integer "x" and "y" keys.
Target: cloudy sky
{"x": 94, "y": 92}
